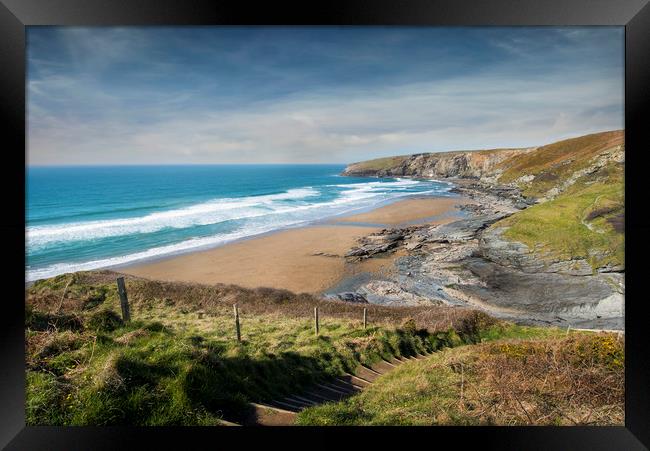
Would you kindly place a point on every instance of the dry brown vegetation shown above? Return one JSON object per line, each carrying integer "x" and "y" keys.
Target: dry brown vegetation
{"x": 177, "y": 361}
{"x": 88, "y": 288}
{"x": 577, "y": 380}
{"x": 85, "y": 366}
{"x": 558, "y": 160}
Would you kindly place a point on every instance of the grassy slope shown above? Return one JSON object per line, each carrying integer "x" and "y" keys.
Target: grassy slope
{"x": 379, "y": 164}
{"x": 585, "y": 221}
{"x": 554, "y": 163}
{"x": 537, "y": 380}
{"x": 177, "y": 361}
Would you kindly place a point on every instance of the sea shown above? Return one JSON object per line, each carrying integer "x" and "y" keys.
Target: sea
{"x": 91, "y": 217}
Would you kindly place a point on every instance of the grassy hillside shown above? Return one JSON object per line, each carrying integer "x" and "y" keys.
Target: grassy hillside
{"x": 380, "y": 163}
{"x": 553, "y": 164}
{"x": 177, "y": 362}
{"x": 586, "y": 220}
{"x": 574, "y": 380}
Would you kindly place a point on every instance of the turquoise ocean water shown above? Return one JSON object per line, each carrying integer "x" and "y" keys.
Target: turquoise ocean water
{"x": 81, "y": 218}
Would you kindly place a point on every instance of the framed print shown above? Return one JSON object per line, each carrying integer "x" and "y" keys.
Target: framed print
{"x": 240, "y": 217}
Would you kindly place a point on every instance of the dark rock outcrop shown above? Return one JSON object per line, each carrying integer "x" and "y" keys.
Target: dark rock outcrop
{"x": 468, "y": 263}
{"x": 349, "y": 297}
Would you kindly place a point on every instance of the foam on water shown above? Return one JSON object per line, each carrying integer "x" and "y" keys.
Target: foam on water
{"x": 227, "y": 218}
{"x": 211, "y": 212}
{"x": 192, "y": 244}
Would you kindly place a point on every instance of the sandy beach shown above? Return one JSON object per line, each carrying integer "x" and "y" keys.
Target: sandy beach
{"x": 408, "y": 211}
{"x": 308, "y": 259}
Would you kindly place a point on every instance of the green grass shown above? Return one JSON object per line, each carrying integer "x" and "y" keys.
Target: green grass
{"x": 548, "y": 380}
{"x": 178, "y": 363}
{"x": 149, "y": 373}
{"x": 579, "y": 224}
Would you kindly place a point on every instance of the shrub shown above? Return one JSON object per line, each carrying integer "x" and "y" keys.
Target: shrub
{"x": 105, "y": 320}
{"x": 94, "y": 298}
{"x": 36, "y": 320}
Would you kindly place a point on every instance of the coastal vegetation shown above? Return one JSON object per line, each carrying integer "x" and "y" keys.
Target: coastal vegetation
{"x": 585, "y": 222}
{"x": 177, "y": 361}
{"x": 572, "y": 380}
{"x": 547, "y": 167}
{"x": 586, "y": 219}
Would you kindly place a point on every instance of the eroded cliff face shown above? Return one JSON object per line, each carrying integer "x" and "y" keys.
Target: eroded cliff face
{"x": 544, "y": 241}
{"x": 470, "y": 164}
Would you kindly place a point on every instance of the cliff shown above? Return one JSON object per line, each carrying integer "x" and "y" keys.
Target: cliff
{"x": 466, "y": 164}
{"x": 575, "y": 187}
{"x": 554, "y": 256}
{"x": 540, "y": 172}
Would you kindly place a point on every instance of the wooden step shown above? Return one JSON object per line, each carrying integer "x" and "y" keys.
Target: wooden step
{"x": 395, "y": 361}
{"x": 346, "y": 383}
{"x": 354, "y": 380}
{"x": 227, "y": 423}
{"x": 298, "y": 402}
{"x": 381, "y": 367}
{"x": 344, "y": 386}
{"x": 286, "y": 405}
{"x": 316, "y": 397}
{"x": 259, "y": 406}
{"x": 264, "y": 415}
{"x": 357, "y": 379}
{"x": 372, "y": 370}
{"x": 366, "y": 373}
{"x": 325, "y": 395}
{"x": 311, "y": 402}
{"x": 334, "y": 390}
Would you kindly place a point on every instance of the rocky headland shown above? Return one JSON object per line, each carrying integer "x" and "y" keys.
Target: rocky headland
{"x": 542, "y": 241}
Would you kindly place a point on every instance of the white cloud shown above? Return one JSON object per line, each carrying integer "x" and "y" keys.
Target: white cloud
{"x": 77, "y": 120}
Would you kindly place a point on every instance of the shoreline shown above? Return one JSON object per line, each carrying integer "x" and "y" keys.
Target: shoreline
{"x": 334, "y": 220}
{"x": 307, "y": 258}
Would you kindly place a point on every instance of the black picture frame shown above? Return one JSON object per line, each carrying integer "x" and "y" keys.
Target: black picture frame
{"x": 15, "y": 15}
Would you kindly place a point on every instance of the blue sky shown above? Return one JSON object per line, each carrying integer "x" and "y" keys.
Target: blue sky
{"x": 194, "y": 95}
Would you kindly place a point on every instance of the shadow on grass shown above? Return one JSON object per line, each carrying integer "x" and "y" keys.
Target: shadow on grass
{"x": 226, "y": 386}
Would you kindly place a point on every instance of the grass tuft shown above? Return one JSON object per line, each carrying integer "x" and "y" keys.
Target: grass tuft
{"x": 574, "y": 380}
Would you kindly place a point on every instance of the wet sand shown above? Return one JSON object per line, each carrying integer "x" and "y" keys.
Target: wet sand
{"x": 308, "y": 259}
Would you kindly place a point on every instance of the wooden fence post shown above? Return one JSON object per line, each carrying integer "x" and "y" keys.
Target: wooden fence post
{"x": 316, "y": 326}
{"x": 124, "y": 301}
{"x": 365, "y": 317}
{"x": 237, "y": 329}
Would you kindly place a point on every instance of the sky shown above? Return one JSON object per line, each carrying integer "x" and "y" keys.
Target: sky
{"x": 212, "y": 95}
